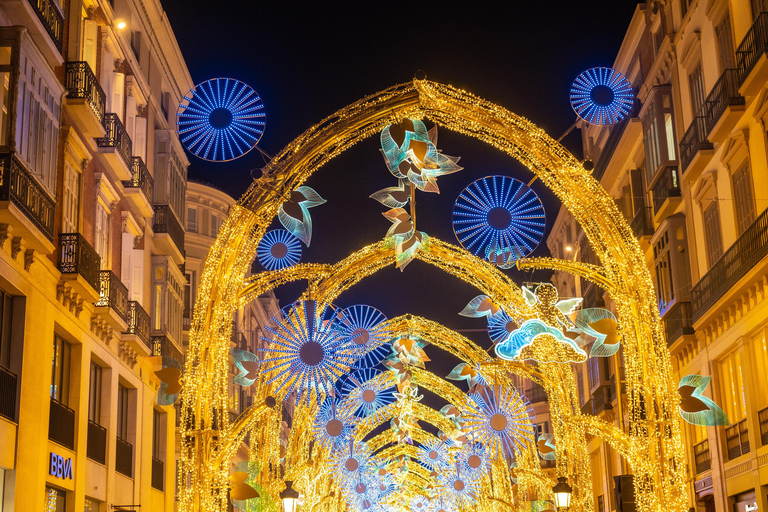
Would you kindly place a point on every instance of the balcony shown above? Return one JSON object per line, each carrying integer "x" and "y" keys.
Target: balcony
{"x": 162, "y": 346}
{"x": 158, "y": 474}
{"x": 86, "y": 99}
{"x": 702, "y": 457}
{"x": 113, "y": 301}
{"x": 762, "y": 417}
{"x": 138, "y": 325}
{"x": 124, "y": 458}
{"x": 79, "y": 265}
{"x": 139, "y": 189}
{"x": 61, "y": 424}
{"x": 677, "y": 321}
{"x": 740, "y": 258}
{"x": 695, "y": 149}
{"x": 25, "y": 205}
{"x": 723, "y": 106}
{"x": 601, "y": 399}
{"x": 8, "y": 384}
{"x": 97, "y": 443}
{"x": 666, "y": 192}
{"x": 737, "y": 440}
{"x": 642, "y": 223}
{"x": 536, "y": 394}
{"x": 44, "y": 23}
{"x": 751, "y": 57}
{"x": 115, "y": 147}
{"x": 619, "y": 144}
{"x": 51, "y": 18}
{"x": 169, "y": 235}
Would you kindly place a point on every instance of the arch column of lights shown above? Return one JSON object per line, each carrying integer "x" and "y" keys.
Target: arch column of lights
{"x": 658, "y": 461}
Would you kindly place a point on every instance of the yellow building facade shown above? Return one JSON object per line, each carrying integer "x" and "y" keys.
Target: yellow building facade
{"x": 689, "y": 170}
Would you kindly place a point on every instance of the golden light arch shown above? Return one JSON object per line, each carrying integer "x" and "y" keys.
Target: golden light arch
{"x": 658, "y": 461}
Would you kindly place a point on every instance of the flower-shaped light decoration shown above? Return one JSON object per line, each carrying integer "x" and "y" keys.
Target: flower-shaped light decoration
{"x": 350, "y": 463}
{"x": 333, "y": 425}
{"x": 473, "y": 460}
{"x": 421, "y": 503}
{"x": 500, "y": 419}
{"x": 457, "y": 488}
{"x": 169, "y": 371}
{"x": 440, "y": 504}
{"x": 220, "y": 119}
{"x": 467, "y": 372}
{"x": 695, "y": 408}
{"x": 364, "y": 393}
{"x": 248, "y": 365}
{"x": 278, "y": 249}
{"x": 500, "y": 326}
{"x": 602, "y": 96}
{"x": 499, "y": 218}
{"x": 600, "y": 324}
{"x": 294, "y": 213}
{"x": 433, "y": 454}
{"x": 361, "y": 491}
{"x": 308, "y": 353}
{"x": 244, "y": 486}
{"x": 361, "y": 324}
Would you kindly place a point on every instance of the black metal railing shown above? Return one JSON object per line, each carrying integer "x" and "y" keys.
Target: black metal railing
{"x": 694, "y": 140}
{"x": 97, "y": 443}
{"x": 138, "y": 322}
{"x": 702, "y": 457}
{"x": 81, "y": 83}
{"x": 737, "y": 439}
{"x": 601, "y": 399}
{"x": 677, "y": 321}
{"x": 158, "y": 475}
{"x": 239, "y": 339}
{"x": 116, "y": 137}
{"x": 8, "y": 384}
{"x": 667, "y": 185}
{"x": 124, "y": 458}
{"x": 162, "y": 346}
{"x": 76, "y": 256}
{"x": 642, "y": 222}
{"x": 165, "y": 221}
{"x": 752, "y": 47}
{"x": 61, "y": 424}
{"x": 740, "y": 258}
{"x": 141, "y": 178}
{"x": 724, "y": 94}
{"x": 536, "y": 394}
{"x": 587, "y": 407}
{"x": 18, "y": 186}
{"x": 762, "y": 417}
{"x": 114, "y": 294}
{"x": 51, "y": 18}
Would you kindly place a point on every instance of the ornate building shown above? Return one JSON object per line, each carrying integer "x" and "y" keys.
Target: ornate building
{"x": 92, "y": 192}
{"x": 689, "y": 170}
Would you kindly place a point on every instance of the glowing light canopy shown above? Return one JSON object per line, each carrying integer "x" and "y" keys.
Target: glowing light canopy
{"x": 602, "y": 96}
{"x": 220, "y": 119}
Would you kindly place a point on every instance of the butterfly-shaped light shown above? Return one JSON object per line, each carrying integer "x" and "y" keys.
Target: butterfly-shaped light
{"x": 481, "y": 306}
{"x": 601, "y": 325}
{"x": 468, "y": 373}
{"x": 695, "y": 408}
{"x": 248, "y": 365}
{"x": 278, "y": 249}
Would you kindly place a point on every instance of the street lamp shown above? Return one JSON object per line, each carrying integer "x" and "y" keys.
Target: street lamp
{"x": 289, "y": 496}
{"x": 563, "y": 493}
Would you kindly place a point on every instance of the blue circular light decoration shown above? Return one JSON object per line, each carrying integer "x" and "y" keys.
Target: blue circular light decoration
{"x": 364, "y": 394}
{"x": 220, "y": 119}
{"x": 499, "y": 218}
{"x": 602, "y": 96}
{"x": 278, "y": 249}
{"x": 500, "y": 326}
{"x": 361, "y": 325}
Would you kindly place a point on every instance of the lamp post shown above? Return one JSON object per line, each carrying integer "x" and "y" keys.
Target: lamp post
{"x": 563, "y": 493}
{"x": 289, "y": 497}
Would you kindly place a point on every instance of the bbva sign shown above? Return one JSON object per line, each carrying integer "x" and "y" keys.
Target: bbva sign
{"x": 61, "y": 468}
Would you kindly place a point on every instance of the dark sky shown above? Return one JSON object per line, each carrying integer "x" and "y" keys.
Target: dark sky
{"x": 309, "y": 59}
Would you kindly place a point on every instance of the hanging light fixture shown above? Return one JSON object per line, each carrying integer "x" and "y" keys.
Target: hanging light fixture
{"x": 290, "y": 497}
{"x": 563, "y": 493}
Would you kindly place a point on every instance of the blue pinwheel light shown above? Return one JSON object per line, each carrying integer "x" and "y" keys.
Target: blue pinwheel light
{"x": 458, "y": 489}
{"x": 333, "y": 425}
{"x": 350, "y": 463}
{"x": 500, "y": 326}
{"x": 278, "y": 249}
{"x": 602, "y": 96}
{"x": 433, "y": 454}
{"x": 499, "y": 218}
{"x": 365, "y": 392}
{"x": 220, "y": 119}
{"x": 369, "y": 341}
{"x": 500, "y": 419}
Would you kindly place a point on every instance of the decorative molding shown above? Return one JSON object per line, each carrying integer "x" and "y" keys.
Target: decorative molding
{"x": 69, "y": 298}
{"x": 739, "y": 307}
{"x": 17, "y": 246}
{"x": 762, "y": 460}
{"x": 29, "y": 259}
{"x": 703, "y": 484}
{"x": 738, "y": 469}
{"x": 101, "y": 328}
{"x": 5, "y": 233}
{"x": 127, "y": 354}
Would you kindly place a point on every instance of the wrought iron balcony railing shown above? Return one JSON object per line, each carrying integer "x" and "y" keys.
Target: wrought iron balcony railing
{"x": 642, "y": 222}
{"x": 76, "y": 256}
{"x": 61, "y": 424}
{"x": 667, "y": 185}
{"x": 116, "y": 137}
{"x": 762, "y": 418}
{"x": 677, "y": 321}
{"x": 694, "y": 140}
{"x": 601, "y": 399}
{"x": 166, "y": 222}
{"x": 8, "y": 383}
{"x": 81, "y": 83}
{"x": 702, "y": 457}
{"x": 114, "y": 294}
{"x": 124, "y": 458}
{"x": 138, "y": 322}
{"x": 51, "y": 18}
{"x": 737, "y": 439}
{"x": 742, "y": 256}
{"x": 724, "y": 94}
{"x": 158, "y": 474}
{"x": 536, "y": 394}
{"x": 97, "y": 443}
{"x": 141, "y": 178}
{"x": 752, "y": 47}
{"x": 162, "y": 346}
{"x": 19, "y": 187}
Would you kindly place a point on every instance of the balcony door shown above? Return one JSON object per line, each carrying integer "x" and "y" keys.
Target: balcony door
{"x": 71, "y": 204}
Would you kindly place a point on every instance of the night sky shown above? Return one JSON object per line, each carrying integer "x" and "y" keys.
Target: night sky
{"x": 309, "y": 60}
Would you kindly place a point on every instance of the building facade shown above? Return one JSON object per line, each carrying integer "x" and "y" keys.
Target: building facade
{"x": 689, "y": 171}
{"x": 92, "y": 193}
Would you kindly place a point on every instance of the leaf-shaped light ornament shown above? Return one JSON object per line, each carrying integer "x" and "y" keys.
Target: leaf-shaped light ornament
{"x": 245, "y": 489}
{"x": 545, "y": 444}
{"x": 481, "y": 306}
{"x": 394, "y": 197}
{"x": 294, "y": 213}
{"x": 169, "y": 371}
{"x": 248, "y": 365}
{"x": 695, "y": 408}
{"x": 406, "y": 249}
{"x": 333, "y": 425}
{"x": 452, "y": 413}
{"x": 466, "y": 372}
{"x": 410, "y": 351}
{"x": 601, "y": 325}
{"x": 433, "y": 455}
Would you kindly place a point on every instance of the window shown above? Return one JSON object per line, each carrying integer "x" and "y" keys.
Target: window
{"x": 192, "y": 220}
{"x": 91, "y": 505}
{"x": 580, "y": 382}
{"x": 122, "y": 412}
{"x": 732, "y": 388}
{"x": 136, "y": 44}
{"x": 55, "y": 500}
{"x": 71, "y": 210}
{"x": 101, "y": 234}
{"x": 94, "y": 394}
{"x": 743, "y": 198}
{"x": 214, "y": 226}
{"x": 6, "y": 319}
{"x": 696, "y": 88}
{"x": 658, "y": 132}
{"x": 760, "y": 349}
{"x": 188, "y": 301}
{"x": 60, "y": 370}
{"x": 759, "y": 6}
{"x": 5, "y": 96}
{"x": 725, "y": 43}
{"x": 712, "y": 233}
{"x": 664, "y": 288}
{"x": 737, "y": 439}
